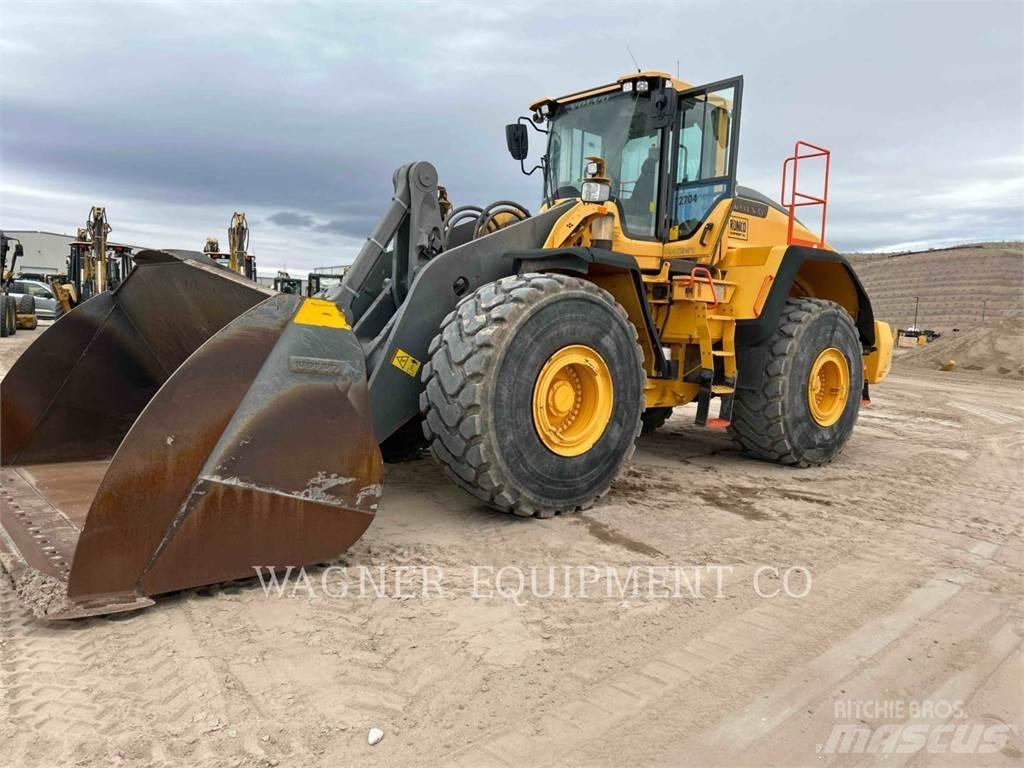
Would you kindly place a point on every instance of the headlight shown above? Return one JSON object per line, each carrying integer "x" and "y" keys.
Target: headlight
{"x": 595, "y": 191}
{"x": 642, "y": 86}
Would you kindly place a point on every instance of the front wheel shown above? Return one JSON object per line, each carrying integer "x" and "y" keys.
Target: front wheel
{"x": 533, "y": 393}
{"x": 804, "y": 411}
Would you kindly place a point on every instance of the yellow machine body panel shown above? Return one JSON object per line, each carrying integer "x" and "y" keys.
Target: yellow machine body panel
{"x": 743, "y": 252}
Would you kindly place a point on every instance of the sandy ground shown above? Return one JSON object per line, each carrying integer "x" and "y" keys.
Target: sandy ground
{"x": 914, "y": 615}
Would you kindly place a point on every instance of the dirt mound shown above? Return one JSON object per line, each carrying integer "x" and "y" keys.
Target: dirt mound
{"x": 996, "y": 347}
{"x": 957, "y": 287}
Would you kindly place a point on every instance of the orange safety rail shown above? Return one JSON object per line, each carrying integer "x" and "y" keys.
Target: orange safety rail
{"x": 706, "y": 273}
{"x": 803, "y": 150}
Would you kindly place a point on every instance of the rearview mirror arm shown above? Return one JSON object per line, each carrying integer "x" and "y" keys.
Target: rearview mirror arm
{"x": 541, "y": 164}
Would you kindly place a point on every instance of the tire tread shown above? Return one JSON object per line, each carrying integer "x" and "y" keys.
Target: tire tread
{"x": 454, "y": 393}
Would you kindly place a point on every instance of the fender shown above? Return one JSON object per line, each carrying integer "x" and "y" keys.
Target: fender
{"x": 799, "y": 269}
{"x": 803, "y": 272}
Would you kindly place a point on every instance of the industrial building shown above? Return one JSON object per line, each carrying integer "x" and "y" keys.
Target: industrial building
{"x": 46, "y": 253}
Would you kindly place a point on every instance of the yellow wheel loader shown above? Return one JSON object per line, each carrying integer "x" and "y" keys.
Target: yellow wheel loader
{"x": 191, "y": 425}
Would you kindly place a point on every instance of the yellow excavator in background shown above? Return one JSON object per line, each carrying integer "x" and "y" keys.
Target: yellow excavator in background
{"x": 237, "y": 259}
{"x": 233, "y": 426}
{"x": 238, "y": 247}
{"x": 95, "y": 264}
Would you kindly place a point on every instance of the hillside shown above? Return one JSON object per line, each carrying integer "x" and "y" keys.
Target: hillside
{"x": 994, "y": 347}
{"x": 955, "y": 285}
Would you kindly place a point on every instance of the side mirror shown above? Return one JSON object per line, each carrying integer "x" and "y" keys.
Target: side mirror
{"x": 19, "y": 250}
{"x": 518, "y": 140}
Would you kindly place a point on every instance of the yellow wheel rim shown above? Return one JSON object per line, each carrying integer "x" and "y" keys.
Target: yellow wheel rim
{"x": 828, "y": 387}
{"x": 572, "y": 400}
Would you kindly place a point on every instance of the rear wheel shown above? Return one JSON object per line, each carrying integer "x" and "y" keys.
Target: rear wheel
{"x": 805, "y": 409}
{"x": 12, "y": 315}
{"x": 27, "y": 309}
{"x": 5, "y": 330}
{"x": 533, "y": 393}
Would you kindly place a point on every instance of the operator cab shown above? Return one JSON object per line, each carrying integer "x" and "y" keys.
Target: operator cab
{"x": 668, "y": 150}
{"x": 285, "y": 283}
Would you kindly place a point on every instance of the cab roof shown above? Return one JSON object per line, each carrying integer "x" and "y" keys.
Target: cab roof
{"x": 649, "y": 74}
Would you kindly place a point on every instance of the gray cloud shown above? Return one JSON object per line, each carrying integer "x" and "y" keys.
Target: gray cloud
{"x": 355, "y": 225}
{"x": 292, "y": 219}
{"x": 168, "y": 116}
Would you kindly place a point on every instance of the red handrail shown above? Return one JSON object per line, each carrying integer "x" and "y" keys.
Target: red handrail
{"x": 708, "y": 278}
{"x": 811, "y": 151}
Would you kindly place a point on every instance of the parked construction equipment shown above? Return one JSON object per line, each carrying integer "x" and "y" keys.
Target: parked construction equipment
{"x": 914, "y": 337}
{"x": 230, "y": 426}
{"x": 96, "y": 265}
{"x": 15, "y": 312}
{"x": 237, "y": 258}
{"x": 285, "y": 283}
{"x": 323, "y": 279}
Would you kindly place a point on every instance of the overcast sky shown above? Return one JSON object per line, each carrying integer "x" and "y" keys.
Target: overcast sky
{"x": 176, "y": 114}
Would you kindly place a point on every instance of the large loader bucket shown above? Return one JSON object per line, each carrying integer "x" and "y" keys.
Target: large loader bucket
{"x": 179, "y": 431}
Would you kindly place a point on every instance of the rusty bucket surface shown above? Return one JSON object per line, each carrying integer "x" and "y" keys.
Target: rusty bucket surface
{"x": 179, "y": 431}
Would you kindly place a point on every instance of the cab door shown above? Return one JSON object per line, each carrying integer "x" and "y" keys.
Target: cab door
{"x": 702, "y": 178}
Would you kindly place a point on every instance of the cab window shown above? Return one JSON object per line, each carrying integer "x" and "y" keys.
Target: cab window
{"x": 704, "y": 157}
{"x": 618, "y": 128}
{"x": 638, "y": 183}
{"x": 39, "y": 291}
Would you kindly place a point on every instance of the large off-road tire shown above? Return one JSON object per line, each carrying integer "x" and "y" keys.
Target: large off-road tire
{"x": 654, "y": 418}
{"x": 11, "y": 307}
{"x": 792, "y": 418}
{"x": 26, "y": 314}
{"x": 5, "y": 330}
{"x": 500, "y": 348}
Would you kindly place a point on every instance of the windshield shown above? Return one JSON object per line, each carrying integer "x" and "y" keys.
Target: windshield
{"x": 616, "y": 127}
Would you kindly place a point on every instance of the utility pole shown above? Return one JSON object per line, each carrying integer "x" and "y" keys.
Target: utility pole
{"x": 917, "y": 303}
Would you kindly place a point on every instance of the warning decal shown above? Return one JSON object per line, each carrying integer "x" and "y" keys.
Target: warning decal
{"x": 737, "y": 228}
{"x": 406, "y": 363}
